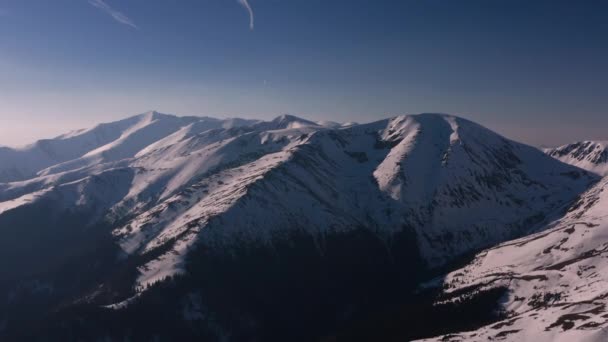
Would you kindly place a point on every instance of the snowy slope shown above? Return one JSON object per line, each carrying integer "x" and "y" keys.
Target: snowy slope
{"x": 557, "y": 279}
{"x": 165, "y": 186}
{"x": 24, "y": 163}
{"x": 148, "y": 129}
{"x": 457, "y": 185}
{"x": 588, "y": 155}
{"x": 133, "y": 136}
{"x": 100, "y": 144}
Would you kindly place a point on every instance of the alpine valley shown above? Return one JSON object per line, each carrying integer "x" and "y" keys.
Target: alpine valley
{"x": 428, "y": 226}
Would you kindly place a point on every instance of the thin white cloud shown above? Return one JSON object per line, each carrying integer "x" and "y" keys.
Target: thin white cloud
{"x": 118, "y": 16}
{"x": 245, "y": 4}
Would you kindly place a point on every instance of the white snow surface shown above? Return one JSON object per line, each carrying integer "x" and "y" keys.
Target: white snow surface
{"x": 181, "y": 182}
{"x": 557, "y": 279}
{"x": 588, "y": 155}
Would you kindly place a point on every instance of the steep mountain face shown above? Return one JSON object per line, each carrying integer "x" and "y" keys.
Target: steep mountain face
{"x": 555, "y": 280}
{"x": 225, "y": 224}
{"x": 588, "y": 155}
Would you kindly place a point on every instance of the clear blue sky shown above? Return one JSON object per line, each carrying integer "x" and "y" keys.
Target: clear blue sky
{"x": 535, "y": 71}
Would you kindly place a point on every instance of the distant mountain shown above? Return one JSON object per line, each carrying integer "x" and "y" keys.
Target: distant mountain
{"x": 246, "y": 230}
{"x": 588, "y": 155}
{"x": 105, "y": 142}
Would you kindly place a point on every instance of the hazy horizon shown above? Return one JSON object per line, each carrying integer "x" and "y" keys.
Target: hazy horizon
{"x": 532, "y": 71}
{"x": 33, "y": 134}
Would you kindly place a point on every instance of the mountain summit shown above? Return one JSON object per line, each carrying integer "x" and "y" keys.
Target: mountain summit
{"x": 588, "y": 155}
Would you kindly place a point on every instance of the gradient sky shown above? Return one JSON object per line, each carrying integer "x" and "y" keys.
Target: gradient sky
{"x": 535, "y": 71}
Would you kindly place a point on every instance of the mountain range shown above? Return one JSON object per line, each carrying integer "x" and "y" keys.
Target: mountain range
{"x": 428, "y": 226}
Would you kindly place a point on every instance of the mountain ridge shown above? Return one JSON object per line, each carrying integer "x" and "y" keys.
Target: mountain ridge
{"x": 415, "y": 192}
{"x": 589, "y": 155}
{"x": 19, "y": 164}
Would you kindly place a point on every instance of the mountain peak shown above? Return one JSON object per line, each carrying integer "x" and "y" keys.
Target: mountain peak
{"x": 154, "y": 115}
{"x": 288, "y": 118}
{"x": 287, "y": 121}
{"x": 589, "y": 155}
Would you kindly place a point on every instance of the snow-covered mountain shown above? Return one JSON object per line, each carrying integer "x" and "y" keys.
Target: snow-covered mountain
{"x": 555, "y": 280}
{"x": 444, "y": 177}
{"x": 103, "y": 143}
{"x": 162, "y": 197}
{"x": 588, "y": 155}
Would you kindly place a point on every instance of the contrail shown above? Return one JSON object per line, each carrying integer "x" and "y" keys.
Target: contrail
{"x": 245, "y": 4}
{"x": 118, "y": 16}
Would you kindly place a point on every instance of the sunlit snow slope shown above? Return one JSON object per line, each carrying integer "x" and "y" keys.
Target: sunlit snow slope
{"x": 458, "y": 185}
{"x": 154, "y": 188}
{"x": 556, "y": 279}
{"x": 588, "y": 155}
